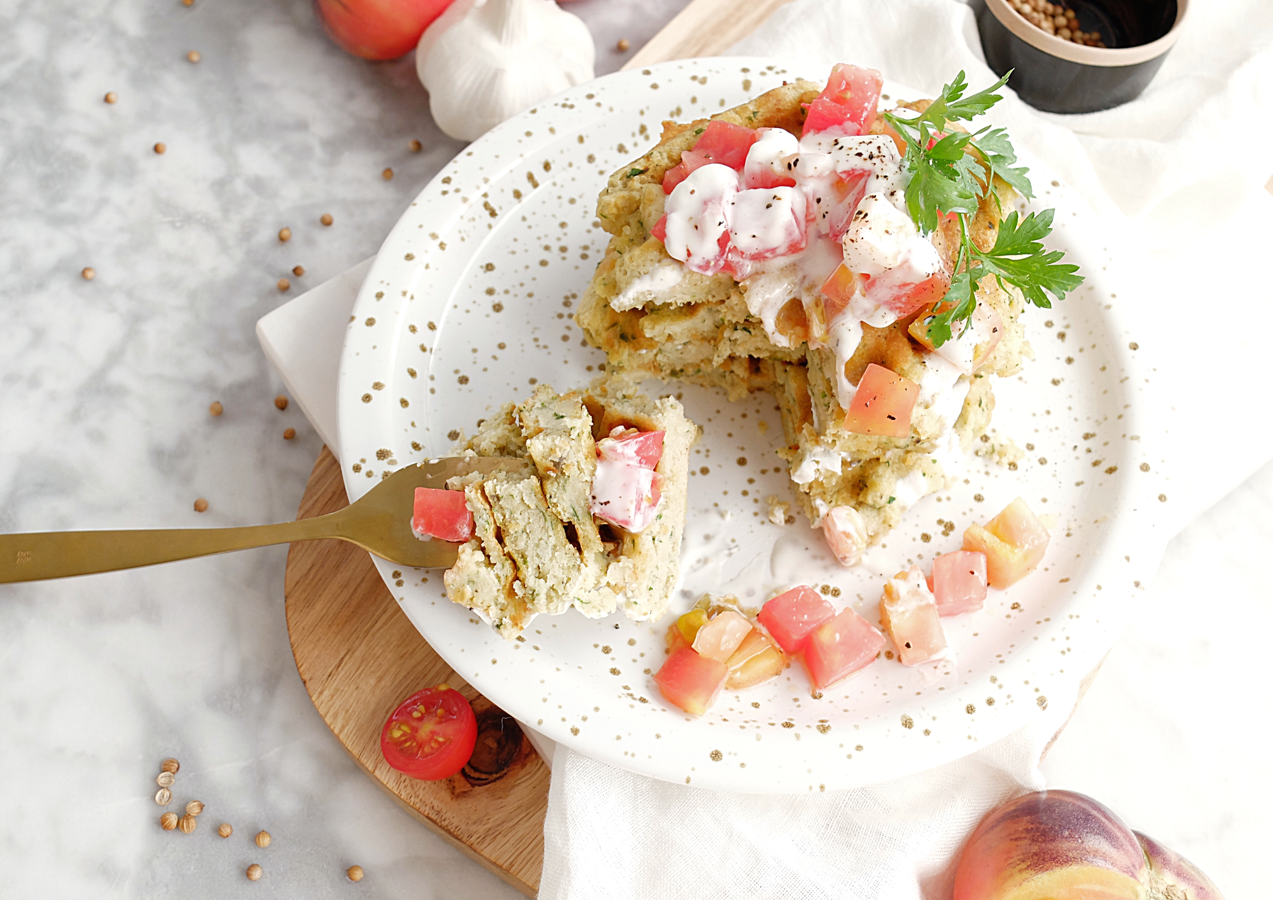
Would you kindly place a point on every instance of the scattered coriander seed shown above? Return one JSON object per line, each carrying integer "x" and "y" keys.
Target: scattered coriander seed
{"x": 163, "y": 796}
{"x": 415, "y": 146}
{"x": 201, "y": 505}
{"x": 284, "y": 284}
{"x": 194, "y": 807}
{"x": 194, "y": 56}
{"x": 623, "y": 45}
{"x": 161, "y": 147}
{"x": 168, "y": 821}
{"x": 289, "y": 433}
{"x": 285, "y": 234}
{"x": 225, "y": 829}
{"x": 298, "y": 271}
{"x": 280, "y": 401}
{"x": 262, "y": 839}
{"x": 187, "y": 824}
{"x": 355, "y": 873}
{"x": 165, "y": 779}
{"x": 171, "y": 765}
{"x": 188, "y": 2}
{"x": 216, "y": 408}
{"x": 255, "y": 872}
{"x": 88, "y": 273}
{"x": 110, "y": 97}
{"x": 326, "y": 218}
{"x": 387, "y": 174}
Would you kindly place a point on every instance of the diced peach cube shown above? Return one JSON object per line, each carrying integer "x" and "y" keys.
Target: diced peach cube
{"x": 959, "y": 582}
{"x": 792, "y": 617}
{"x": 720, "y": 637}
{"x": 908, "y": 613}
{"x": 690, "y": 681}
{"x": 757, "y": 659}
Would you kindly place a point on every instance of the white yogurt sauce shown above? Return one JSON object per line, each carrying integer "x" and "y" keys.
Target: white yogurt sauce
{"x": 667, "y": 274}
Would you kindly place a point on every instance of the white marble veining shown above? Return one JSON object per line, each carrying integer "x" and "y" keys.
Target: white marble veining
{"x": 104, "y": 390}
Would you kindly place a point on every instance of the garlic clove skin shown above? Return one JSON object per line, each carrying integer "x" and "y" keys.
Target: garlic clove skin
{"x": 483, "y": 61}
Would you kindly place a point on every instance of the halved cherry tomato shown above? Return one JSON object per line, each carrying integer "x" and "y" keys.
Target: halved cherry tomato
{"x": 882, "y": 404}
{"x": 431, "y": 735}
{"x": 441, "y": 514}
{"x": 848, "y": 102}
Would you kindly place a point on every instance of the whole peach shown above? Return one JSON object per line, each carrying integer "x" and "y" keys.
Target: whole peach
{"x": 1060, "y": 845}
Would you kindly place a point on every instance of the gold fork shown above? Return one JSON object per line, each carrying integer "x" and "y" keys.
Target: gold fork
{"x": 379, "y": 522}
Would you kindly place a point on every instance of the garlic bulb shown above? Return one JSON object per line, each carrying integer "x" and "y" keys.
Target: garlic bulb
{"x": 483, "y": 61}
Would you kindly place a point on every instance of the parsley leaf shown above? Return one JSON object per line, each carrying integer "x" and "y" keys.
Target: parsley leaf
{"x": 952, "y": 171}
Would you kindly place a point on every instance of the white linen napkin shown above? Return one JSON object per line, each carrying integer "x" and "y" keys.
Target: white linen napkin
{"x": 1178, "y": 175}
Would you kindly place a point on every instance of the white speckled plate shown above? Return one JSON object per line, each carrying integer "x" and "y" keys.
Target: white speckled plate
{"x": 470, "y": 303}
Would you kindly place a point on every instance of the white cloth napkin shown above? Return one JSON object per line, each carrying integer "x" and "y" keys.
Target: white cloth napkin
{"x": 1178, "y": 175}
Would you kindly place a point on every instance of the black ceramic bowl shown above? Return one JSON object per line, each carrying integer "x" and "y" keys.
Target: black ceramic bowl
{"x": 1056, "y": 75}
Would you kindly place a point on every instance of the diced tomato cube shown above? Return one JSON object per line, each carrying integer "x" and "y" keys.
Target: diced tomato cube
{"x": 659, "y": 230}
{"x": 848, "y": 103}
{"x": 1014, "y": 543}
{"x": 882, "y": 404}
{"x": 757, "y": 659}
{"x": 725, "y": 143}
{"x": 840, "y": 647}
{"x": 640, "y": 448}
{"x": 441, "y": 514}
{"x": 904, "y": 297}
{"x": 959, "y": 582}
{"x": 908, "y": 613}
{"x": 838, "y": 292}
{"x": 721, "y": 636}
{"x": 678, "y": 173}
{"x": 791, "y": 617}
{"x": 690, "y": 680}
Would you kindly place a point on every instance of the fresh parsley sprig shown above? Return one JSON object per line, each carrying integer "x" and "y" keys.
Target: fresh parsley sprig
{"x": 951, "y": 173}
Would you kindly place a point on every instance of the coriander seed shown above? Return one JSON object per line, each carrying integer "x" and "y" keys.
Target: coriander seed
{"x": 194, "y": 807}
{"x": 415, "y": 146}
{"x": 194, "y": 56}
{"x": 201, "y": 505}
{"x": 289, "y": 433}
{"x": 623, "y": 45}
{"x": 88, "y": 273}
{"x": 283, "y": 284}
{"x": 110, "y": 97}
{"x": 188, "y": 2}
{"x": 280, "y": 401}
{"x": 187, "y": 824}
{"x": 216, "y": 408}
{"x": 326, "y": 218}
{"x": 171, "y": 765}
{"x": 168, "y": 821}
{"x": 285, "y": 234}
{"x": 262, "y": 839}
{"x": 298, "y": 271}
{"x": 163, "y": 796}
{"x": 161, "y": 147}
{"x": 387, "y": 174}
{"x": 225, "y": 829}
{"x": 355, "y": 873}
{"x": 255, "y": 872}
{"x": 165, "y": 779}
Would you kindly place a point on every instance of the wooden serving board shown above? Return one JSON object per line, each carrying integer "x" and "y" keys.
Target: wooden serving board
{"x": 359, "y": 656}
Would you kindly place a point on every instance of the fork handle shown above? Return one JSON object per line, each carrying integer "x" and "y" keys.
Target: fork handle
{"x": 58, "y": 554}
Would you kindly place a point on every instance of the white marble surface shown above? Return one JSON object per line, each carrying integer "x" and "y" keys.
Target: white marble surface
{"x": 104, "y": 389}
